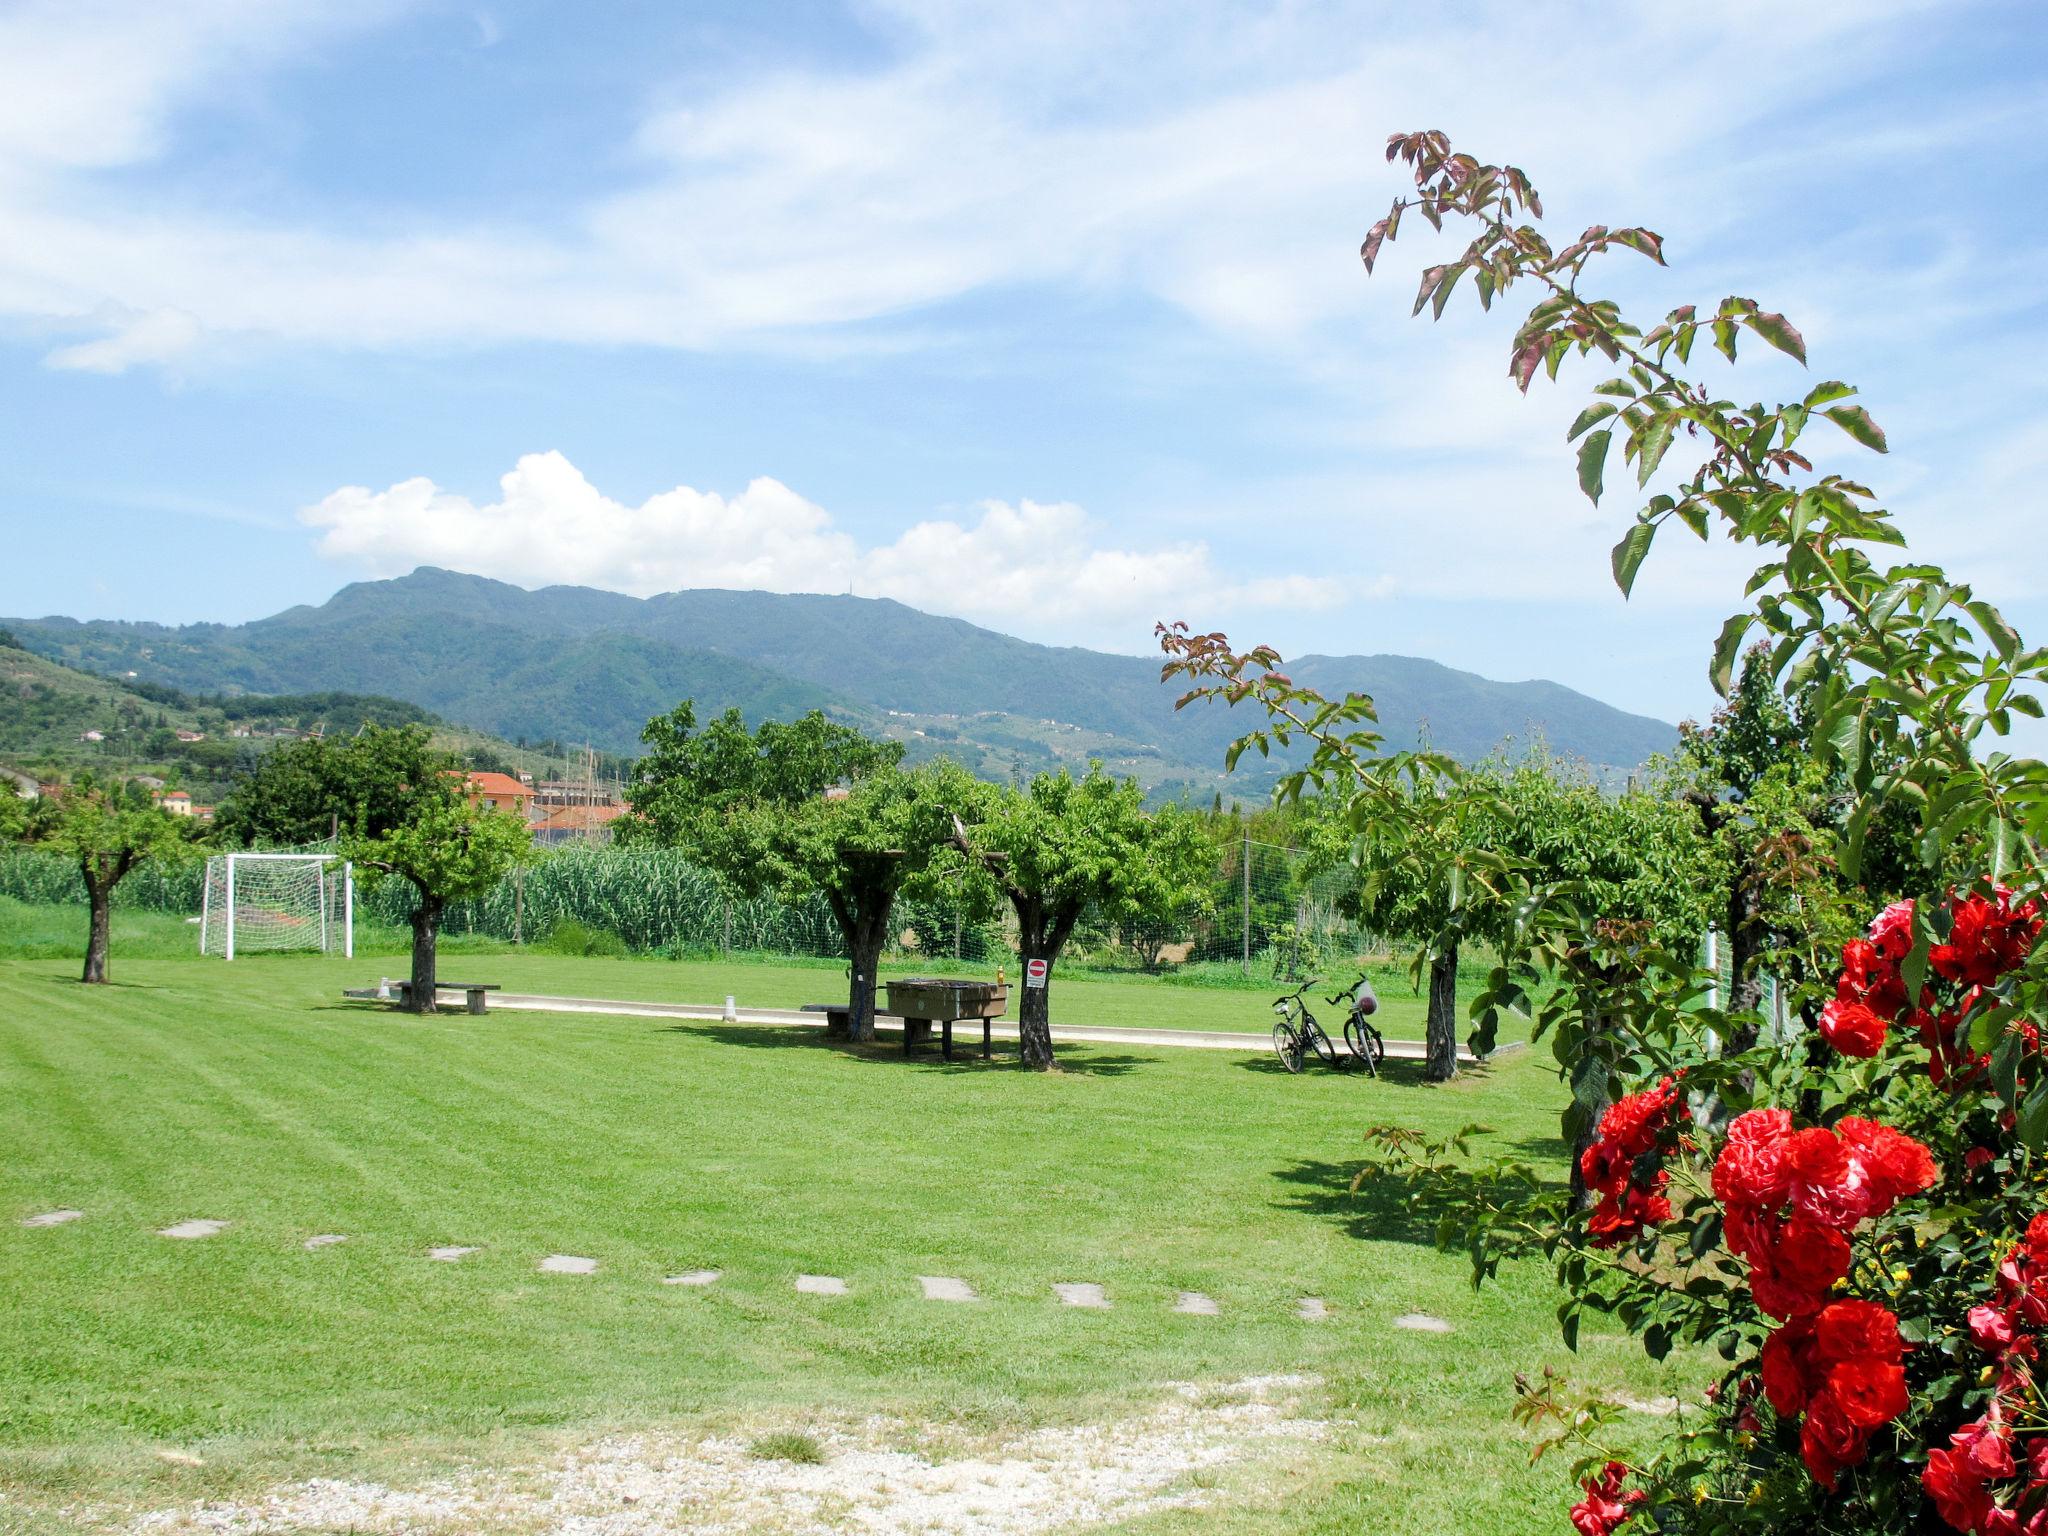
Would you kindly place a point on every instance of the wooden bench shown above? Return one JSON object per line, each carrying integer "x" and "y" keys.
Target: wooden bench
{"x": 838, "y": 1018}
{"x": 400, "y": 992}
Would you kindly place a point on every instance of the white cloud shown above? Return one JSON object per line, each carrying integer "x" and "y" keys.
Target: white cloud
{"x": 1220, "y": 162}
{"x": 1031, "y": 567}
{"x": 160, "y": 337}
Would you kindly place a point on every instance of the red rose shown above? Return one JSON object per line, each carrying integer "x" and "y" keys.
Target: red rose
{"x": 1958, "y": 1493}
{"x": 1854, "y": 1028}
{"x": 1991, "y": 1328}
{"x": 1605, "y": 1506}
{"x": 1871, "y": 1392}
{"x": 1987, "y": 1451}
{"x": 1809, "y": 1257}
{"x": 2037, "y": 1238}
{"x": 1787, "y": 1371}
{"x": 1893, "y": 1163}
{"x": 1891, "y": 932}
{"x": 1751, "y": 1169}
{"x": 1829, "y": 1441}
{"x": 1853, "y": 1329}
{"x": 1827, "y": 1184}
{"x": 1749, "y": 1232}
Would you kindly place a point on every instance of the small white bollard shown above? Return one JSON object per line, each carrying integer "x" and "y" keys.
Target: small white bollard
{"x": 383, "y": 989}
{"x": 731, "y": 1014}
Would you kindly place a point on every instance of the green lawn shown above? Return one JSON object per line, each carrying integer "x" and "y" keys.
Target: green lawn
{"x": 251, "y": 1094}
{"x": 1078, "y": 996}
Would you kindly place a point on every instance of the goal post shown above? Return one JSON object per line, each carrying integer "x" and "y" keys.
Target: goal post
{"x": 260, "y": 902}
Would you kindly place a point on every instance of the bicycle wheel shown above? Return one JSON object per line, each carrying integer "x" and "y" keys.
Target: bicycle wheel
{"x": 1287, "y": 1046}
{"x": 1366, "y": 1043}
{"x": 1314, "y": 1039}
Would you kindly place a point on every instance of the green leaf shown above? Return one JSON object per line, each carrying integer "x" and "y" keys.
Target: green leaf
{"x": 1598, "y": 411}
{"x": 1629, "y": 553}
{"x": 1855, "y": 421}
{"x": 1780, "y": 333}
{"x": 1827, "y": 394}
{"x": 1593, "y": 463}
{"x": 1655, "y": 441}
{"x": 1726, "y": 648}
{"x": 2032, "y": 1125}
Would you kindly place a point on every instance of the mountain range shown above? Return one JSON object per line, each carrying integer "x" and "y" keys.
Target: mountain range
{"x": 579, "y": 664}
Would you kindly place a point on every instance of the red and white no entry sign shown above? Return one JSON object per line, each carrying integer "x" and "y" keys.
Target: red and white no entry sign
{"x": 1034, "y": 972}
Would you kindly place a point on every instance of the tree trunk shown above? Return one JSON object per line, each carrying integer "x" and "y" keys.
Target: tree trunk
{"x": 1441, "y": 1033}
{"x": 1745, "y": 941}
{"x": 426, "y": 928}
{"x": 1040, "y": 936}
{"x": 864, "y": 924}
{"x": 101, "y": 897}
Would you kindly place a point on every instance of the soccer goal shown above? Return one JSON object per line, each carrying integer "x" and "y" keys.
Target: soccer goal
{"x": 271, "y": 901}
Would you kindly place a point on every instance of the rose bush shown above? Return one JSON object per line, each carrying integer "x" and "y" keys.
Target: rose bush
{"x": 1853, "y": 1212}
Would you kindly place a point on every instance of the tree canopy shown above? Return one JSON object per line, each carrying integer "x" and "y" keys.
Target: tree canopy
{"x": 108, "y": 828}
{"x": 305, "y": 791}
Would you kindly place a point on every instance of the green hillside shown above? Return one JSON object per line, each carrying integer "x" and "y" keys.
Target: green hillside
{"x": 49, "y": 711}
{"x": 577, "y": 664}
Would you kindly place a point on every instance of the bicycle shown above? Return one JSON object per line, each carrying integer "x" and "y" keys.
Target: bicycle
{"x": 1365, "y": 1041}
{"x": 1296, "y": 1032}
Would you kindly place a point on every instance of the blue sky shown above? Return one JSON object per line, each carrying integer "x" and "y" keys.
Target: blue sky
{"x": 1049, "y": 315}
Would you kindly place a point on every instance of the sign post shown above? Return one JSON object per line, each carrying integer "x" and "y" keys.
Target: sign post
{"x": 1034, "y": 972}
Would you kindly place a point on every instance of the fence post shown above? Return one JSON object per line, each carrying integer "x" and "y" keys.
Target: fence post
{"x": 519, "y": 904}
{"x": 1245, "y": 860}
{"x": 725, "y": 934}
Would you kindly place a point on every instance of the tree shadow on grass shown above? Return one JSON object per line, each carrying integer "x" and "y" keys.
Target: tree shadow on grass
{"x": 1392, "y": 1074}
{"x": 1382, "y": 1210}
{"x": 889, "y": 1052}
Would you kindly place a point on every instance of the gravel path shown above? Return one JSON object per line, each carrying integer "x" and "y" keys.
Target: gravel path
{"x": 1062, "y": 1478}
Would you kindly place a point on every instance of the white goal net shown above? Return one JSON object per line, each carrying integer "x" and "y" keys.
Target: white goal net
{"x": 256, "y": 902}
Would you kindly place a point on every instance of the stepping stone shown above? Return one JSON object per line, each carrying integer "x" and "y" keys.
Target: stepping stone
{"x": 821, "y": 1285}
{"x": 944, "y": 1288}
{"x": 693, "y": 1277}
{"x": 450, "y": 1254}
{"x": 1421, "y": 1322}
{"x": 1656, "y": 1407}
{"x": 203, "y": 1228}
{"x": 1081, "y": 1294}
{"x": 52, "y": 1218}
{"x": 326, "y": 1240}
{"x": 1196, "y": 1304}
{"x": 567, "y": 1264}
{"x": 1312, "y": 1309}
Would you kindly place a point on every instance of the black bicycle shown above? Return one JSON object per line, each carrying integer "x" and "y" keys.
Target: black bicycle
{"x": 1296, "y": 1033}
{"x": 1367, "y": 1044}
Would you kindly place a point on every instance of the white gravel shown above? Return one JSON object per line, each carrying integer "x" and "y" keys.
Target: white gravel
{"x": 693, "y": 1277}
{"x": 567, "y": 1264}
{"x": 1196, "y": 1304}
{"x": 821, "y": 1285}
{"x": 945, "y": 1288}
{"x": 51, "y": 1218}
{"x": 1312, "y": 1309}
{"x": 450, "y": 1254}
{"x": 326, "y": 1240}
{"x": 1060, "y": 1478}
{"x": 1075, "y": 1293}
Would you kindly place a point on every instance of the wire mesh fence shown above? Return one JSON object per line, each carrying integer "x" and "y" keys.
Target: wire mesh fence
{"x": 1266, "y": 913}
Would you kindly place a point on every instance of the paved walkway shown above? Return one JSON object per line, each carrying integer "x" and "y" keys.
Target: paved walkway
{"x": 790, "y": 1018}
